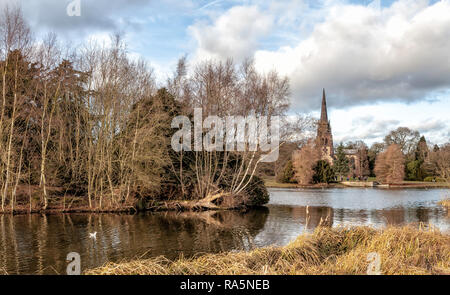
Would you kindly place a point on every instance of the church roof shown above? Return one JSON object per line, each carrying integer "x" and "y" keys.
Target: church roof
{"x": 324, "y": 114}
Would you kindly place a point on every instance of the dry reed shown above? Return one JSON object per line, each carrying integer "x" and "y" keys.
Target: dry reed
{"x": 445, "y": 203}
{"x": 405, "y": 250}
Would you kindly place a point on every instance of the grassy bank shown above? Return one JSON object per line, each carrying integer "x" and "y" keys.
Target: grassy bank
{"x": 272, "y": 183}
{"x": 421, "y": 184}
{"x": 327, "y": 251}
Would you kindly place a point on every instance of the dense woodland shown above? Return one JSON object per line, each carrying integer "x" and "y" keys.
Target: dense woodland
{"x": 89, "y": 126}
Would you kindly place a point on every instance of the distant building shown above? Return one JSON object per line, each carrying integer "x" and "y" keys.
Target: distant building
{"x": 324, "y": 138}
{"x": 324, "y": 141}
{"x": 354, "y": 162}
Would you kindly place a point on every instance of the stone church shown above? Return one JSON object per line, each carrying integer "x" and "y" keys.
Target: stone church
{"x": 324, "y": 141}
{"x": 324, "y": 138}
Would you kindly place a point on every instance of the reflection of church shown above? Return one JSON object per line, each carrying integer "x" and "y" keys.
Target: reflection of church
{"x": 324, "y": 139}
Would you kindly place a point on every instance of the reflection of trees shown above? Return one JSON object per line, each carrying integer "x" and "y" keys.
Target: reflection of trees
{"x": 394, "y": 216}
{"x": 339, "y": 215}
{"x": 3, "y": 252}
{"x": 39, "y": 244}
{"x": 207, "y": 231}
{"x": 285, "y": 223}
{"x": 422, "y": 214}
{"x": 314, "y": 216}
{"x": 402, "y": 216}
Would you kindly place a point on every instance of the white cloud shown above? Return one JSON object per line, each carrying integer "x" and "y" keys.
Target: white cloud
{"x": 233, "y": 34}
{"x": 362, "y": 54}
{"x": 372, "y": 123}
{"x": 371, "y": 60}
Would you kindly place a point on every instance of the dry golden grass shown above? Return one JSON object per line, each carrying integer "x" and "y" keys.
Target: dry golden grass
{"x": 404, "y": 250}
{"x": 445, "y": 203}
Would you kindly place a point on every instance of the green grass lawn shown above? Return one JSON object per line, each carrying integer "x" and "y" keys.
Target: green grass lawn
{"x": 271, "y": 182}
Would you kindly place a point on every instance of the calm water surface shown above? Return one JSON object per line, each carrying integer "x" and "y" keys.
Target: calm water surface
{"x": 39, "y": 243}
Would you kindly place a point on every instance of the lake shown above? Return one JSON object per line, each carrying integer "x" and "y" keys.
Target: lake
{"x": 39, "y": 244}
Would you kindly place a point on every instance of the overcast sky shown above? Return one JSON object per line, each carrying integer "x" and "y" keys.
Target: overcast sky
{"x": 384, "y": 64}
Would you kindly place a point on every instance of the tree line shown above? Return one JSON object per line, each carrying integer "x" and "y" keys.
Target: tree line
{"x": 89, "y": 126}
{"x": 403, "y": 155}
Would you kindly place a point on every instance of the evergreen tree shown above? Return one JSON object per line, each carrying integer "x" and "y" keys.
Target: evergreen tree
{"x": 422, "y": 150}
{"x": 341, "y": 163}
{"x": 415, "y": 169}
{"x": 323, "y": 172}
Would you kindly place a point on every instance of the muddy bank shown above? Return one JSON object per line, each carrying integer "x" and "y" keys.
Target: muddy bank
{"x": 74, "y": 204}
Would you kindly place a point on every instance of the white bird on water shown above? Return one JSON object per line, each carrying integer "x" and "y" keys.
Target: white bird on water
{"x": 93, "y": 235}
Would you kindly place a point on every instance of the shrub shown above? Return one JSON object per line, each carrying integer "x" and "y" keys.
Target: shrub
{"x": 257, "y": 191}
{"x": 286, "y": 175}
{"x": 323, "y": 172}
{"x": 434, "y": 178}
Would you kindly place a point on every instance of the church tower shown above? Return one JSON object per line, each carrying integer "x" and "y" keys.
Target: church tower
{"x": 324, "y": 139}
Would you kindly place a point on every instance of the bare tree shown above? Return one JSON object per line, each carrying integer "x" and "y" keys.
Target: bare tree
{"x": 362, "y": 167}
{"x": 90, "y": 121}
{"x": 304, "y": 161}
{"x": 405, "y": 138}
{"x": 225, "y": 89}
{"x": 390, "y": 165}
{"x": 51, "y": 79}
{"x": 298, "y": 128}
{"x": 439, "y": 161}
{"x": 14, "y": 44}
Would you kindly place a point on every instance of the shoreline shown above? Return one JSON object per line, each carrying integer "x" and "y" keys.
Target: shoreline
{"x": 405, "y": 185}
{"x": 163, "y": 206}
{"x": 204, "y": 205}
{"x": 445, "y": 203}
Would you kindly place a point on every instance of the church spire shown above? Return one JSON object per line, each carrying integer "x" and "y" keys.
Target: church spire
{"x": 324, "y": 138}
{"x": 324, "y": 115}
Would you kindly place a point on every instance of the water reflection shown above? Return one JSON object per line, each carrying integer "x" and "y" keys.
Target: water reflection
{"x": 285, "y": 223}
{"x": 40, "y": 243}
